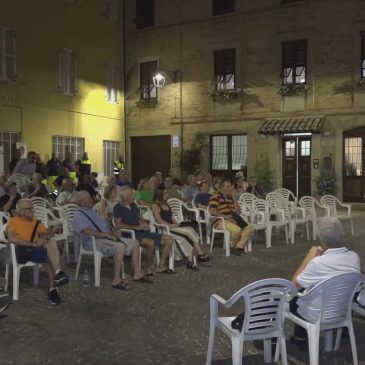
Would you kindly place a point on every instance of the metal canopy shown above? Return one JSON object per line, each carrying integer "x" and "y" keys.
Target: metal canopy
{"x": 291, "y": 125}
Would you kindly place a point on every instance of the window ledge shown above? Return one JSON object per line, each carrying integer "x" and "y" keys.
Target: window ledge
{"x": 225, "y": 94}
{"x": 292, "y": 90}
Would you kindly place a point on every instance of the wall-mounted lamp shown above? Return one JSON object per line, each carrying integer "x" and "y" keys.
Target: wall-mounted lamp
{"x": 160, "y": 77}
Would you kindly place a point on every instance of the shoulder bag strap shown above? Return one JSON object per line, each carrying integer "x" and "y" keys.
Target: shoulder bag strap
{"x": 94, "y": 224}
{"x": 34, "y": 230}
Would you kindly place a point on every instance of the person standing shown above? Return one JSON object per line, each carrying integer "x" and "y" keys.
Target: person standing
{"x": 119, "y": 165}
{"x": 14, "y": 161}
{"x": 26, "y": 166}
{"x": 53, "y": 169}
{"x": 70, "y": 165}
{"x": 83, "y": 165}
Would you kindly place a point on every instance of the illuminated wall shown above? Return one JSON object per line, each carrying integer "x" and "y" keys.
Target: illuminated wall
{"x": 32, "y": 104}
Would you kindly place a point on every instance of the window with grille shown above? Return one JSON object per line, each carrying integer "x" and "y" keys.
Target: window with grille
{"x": 353, "y": 156}
{"x": 112, "y": 83}
{"x": 7, "y": 54}
{"x": 363, "y": 54}
{"x": 67, "y": 72}
{"x": 294, "y": 62}
{"x": 8, "y": 142}
{"x": 61, "y": 145}
{"x": 145, "y": 14}
{"x": 228, "y": 152}
{"x": 111, "y": 151}
{"x": 224, "y": 68}
{"x": 221, "y": 7}
{"x": 146, "y": 72}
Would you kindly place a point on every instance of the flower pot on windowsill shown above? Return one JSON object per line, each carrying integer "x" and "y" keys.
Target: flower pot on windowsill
{"x": 225, "y": 94}
{"x": 292, "y": 89}
{"x": 147, "y": 103}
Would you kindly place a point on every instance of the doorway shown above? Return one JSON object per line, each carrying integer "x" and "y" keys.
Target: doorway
{"x": 353, "y": 161}
{"x": 150, "y": 154}
{"x": 297, "y": 164}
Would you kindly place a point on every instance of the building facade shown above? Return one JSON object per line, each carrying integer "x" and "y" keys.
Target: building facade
{"x": 275, "y": 80}
{"x": 60, "y": 89}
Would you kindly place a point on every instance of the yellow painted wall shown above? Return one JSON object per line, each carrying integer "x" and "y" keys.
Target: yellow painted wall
{"x": 32, "y": 104}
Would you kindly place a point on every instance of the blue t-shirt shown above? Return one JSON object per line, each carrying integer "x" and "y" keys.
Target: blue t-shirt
{"x": 129, "y": 215}
{"x": 202, "y": 198}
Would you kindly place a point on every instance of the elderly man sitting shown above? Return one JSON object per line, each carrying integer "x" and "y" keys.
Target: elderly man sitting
{"x": 68, "y": 194}
{"x": 127, "y": 215}
{"x": 322, "y": 262}
{"x": 34, "y": 243}
{"x": 88, "y": 222}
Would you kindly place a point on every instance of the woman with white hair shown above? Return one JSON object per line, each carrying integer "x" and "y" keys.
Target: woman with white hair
{"x": 36, "y": 188}
{"x": 322, "y": 262}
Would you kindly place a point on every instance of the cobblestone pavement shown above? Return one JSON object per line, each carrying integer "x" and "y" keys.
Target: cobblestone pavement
{"x": 164, "y": 323}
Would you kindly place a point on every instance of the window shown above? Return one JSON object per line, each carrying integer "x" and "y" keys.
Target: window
{"x": 228, "y": 152}
{"x": 221, "y": 7}
{"x": 145, "y": 14}
{"x": 112, "y": 10}
{"x": 305, "y": 148}
{"x": 224, "y": 68}
{"x": 112, "y": 83}
{"x": 146, "y": 72}
{"x": 353, "y": 156}
{"x": 8, "y": 145}
{"x": 363, "y": 54}
{"x": 290, "y": 148}
{"x": 7, "y": 54}
{"x": 294, "y": 62}
{"x": 67, "y": 72}
{"x": 62, "y": 145}
{"x": 111, "y": 153}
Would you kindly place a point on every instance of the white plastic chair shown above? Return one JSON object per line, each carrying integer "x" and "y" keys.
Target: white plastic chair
{"x": 204, "y": 219}
{"x": 288, "y": 195}
{"x": 335, "y": 296}
{"x": 264, "y": 303}
{"x": 97, "y": 255}
{"x": 20, "y": 180}
{"x": 177, "y": 206}
{"x": 309, "y": 204}
{"x": 331, "y": 203}
{"x": 16, "y": 271}
{"x": 246, "y": 203}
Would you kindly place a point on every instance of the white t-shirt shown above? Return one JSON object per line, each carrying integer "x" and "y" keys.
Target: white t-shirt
{"x": 332, "y": 262}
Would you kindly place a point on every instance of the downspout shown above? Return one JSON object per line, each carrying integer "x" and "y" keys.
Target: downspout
{"x": 123, "y": 86}
{"x": 181, "y": 87}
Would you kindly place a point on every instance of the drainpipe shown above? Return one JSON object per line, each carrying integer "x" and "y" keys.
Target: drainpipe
{"x": 124, "y": 83}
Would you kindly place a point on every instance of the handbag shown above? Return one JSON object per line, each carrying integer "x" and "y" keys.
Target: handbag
{"x": 23, "y": 253}
{"x": 239, "y": 220}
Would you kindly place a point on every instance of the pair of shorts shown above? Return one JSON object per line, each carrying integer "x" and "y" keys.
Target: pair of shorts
{"x": 156, "y": 237}
{"x": 33, "y": 254}
{"x": 110, "y": 248}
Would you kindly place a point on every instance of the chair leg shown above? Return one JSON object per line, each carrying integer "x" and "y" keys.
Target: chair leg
{"x": 172, "y": 258}
{"x": 210, "y": 344}
{"x": 78, "y": 266}
{"x": 7, "y": 269}
{"x": 314, "y": 229}
{"x": 66, "y": 251}
{"x": 36, "y": 275}
{"x": 76, "y": 249}
{"x": 227, "y": 243}
{"x": 352, "y": 226}
{"x": 353, "y": 344}
{"x": 212, "y": 242}
{"x": 286, "y": 234}
{"x": 307, "y": 229}
{"x": 16, "y": 277}
{"x": 97, "y": 268}
{"x": 267, "y": 350}
{"x": 292, "y": 232}
{"x": 237, "y": 349}
{"x": 328, "y": 340}
{"x": 281, "y": 350}
{"x": 268, "y": 234}
{"x": 313, "y": 345}
{"x": 338, "y": 339}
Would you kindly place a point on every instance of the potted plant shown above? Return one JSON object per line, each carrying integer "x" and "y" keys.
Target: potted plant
{"x": 264, "y": 175}
{"x": 326, "y": 183}
{"x": 293, "y": 89}
{"x": 225, "y": 94}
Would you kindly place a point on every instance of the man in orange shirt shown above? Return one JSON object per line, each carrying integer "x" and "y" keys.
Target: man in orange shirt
{"x": 34, "y": 243}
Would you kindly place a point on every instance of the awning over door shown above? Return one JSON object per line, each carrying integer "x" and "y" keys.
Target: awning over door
{"x": 292, "y": 125}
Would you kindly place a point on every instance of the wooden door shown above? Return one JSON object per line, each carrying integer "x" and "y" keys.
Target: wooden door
{"x": 297, "y": 164}
{"x": 353, "y": 161}
{"x": 150, "y": 154}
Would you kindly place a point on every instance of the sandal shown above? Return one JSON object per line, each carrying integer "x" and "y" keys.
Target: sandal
{"x": 204, "y": 258}
{"x": 144, "y": 279}
{"x": 123, "y": 285}
{"x": 167, "y": 271}
{"x": 191, "y": 266}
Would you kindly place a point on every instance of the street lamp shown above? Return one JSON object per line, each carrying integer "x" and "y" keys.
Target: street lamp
{"x": 160, "y": 78}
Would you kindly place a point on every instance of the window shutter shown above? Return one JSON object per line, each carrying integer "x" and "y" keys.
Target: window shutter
{"x": 7, "y": 54}
{"x": 72, "y": 64}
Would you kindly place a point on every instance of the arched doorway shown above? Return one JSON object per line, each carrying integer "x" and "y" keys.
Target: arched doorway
{"x": 353, "y": 162}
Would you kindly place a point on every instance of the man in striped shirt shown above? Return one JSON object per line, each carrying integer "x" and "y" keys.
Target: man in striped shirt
{"x": 222, "y": 204}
